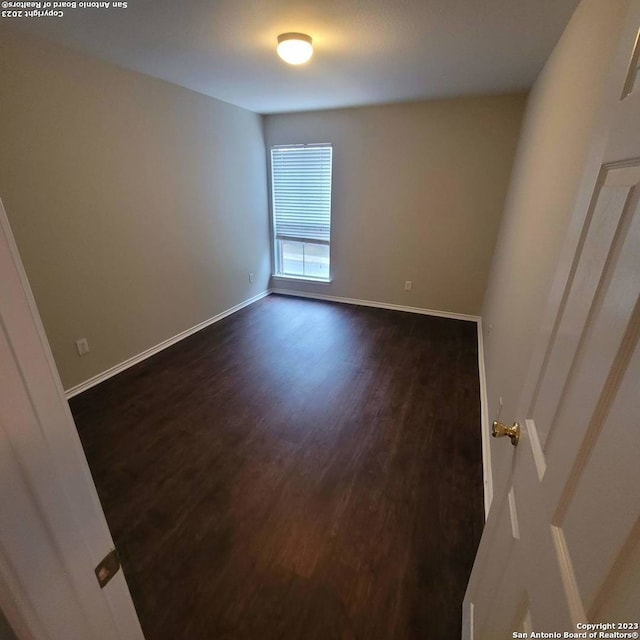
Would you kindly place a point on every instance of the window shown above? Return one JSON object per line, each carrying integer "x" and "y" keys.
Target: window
{"x": 301, "y": 193}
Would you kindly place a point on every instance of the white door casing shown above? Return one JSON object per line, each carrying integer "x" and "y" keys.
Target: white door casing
{"x": 52, "y": 529}
{"x": 562, "y": 547}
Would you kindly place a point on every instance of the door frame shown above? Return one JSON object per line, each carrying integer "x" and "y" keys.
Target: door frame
{"x": 50, "y": 462}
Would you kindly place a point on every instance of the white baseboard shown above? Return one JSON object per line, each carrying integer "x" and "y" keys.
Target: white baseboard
{"x": 487, "y": 474}
{"x": 379, "y": 305}
{"x": 130, "y": 362}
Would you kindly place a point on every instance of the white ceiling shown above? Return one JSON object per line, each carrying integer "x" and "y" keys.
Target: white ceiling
{"x": 366, "y": 51}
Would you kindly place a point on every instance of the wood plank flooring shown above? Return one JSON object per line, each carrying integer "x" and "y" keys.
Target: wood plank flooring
{"x": 299, "y": 470}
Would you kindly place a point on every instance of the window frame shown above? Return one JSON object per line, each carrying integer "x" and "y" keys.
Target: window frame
{"x": 276, "y": 242}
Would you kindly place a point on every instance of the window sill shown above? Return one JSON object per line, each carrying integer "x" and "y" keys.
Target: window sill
{"x": 302, "y": 279}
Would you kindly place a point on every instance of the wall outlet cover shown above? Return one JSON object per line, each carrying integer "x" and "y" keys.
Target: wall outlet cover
{"x": 82, "y": 346}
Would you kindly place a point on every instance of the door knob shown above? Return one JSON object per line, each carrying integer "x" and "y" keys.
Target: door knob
{"x": 500, "y": 430}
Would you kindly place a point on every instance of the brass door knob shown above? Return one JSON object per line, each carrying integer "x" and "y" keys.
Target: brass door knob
{"x": 500, "y": 430}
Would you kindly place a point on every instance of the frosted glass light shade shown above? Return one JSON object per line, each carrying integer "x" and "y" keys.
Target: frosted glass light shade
{"x": 294, "y": 48}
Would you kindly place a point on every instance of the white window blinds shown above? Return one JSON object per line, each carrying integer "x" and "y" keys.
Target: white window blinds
{"x": 301, "y": 188}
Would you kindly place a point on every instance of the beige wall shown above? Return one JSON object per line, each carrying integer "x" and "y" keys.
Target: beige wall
{"x": 139, "y": 207}
{"x": 418, "y": 190}
{"x": 559, "y": 122}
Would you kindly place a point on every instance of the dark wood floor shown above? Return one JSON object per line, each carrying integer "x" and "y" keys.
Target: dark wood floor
{"x": 299, "y": 470}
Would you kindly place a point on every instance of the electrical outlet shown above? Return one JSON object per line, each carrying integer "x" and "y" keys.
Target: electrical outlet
{"x": 251, "y": 278}
{"x": 408, "y": 285}
{"x": 82, "y": 346}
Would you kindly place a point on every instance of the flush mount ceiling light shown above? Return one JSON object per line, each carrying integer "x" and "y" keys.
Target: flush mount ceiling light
{"x": 294, "y": 48}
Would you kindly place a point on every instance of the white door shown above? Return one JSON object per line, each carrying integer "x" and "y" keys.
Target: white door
{"x": 53, "y": 532}
{"x": 562, "y": 549}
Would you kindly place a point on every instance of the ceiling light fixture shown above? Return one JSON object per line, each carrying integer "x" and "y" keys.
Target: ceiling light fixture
{"x": 294, "y": 48}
